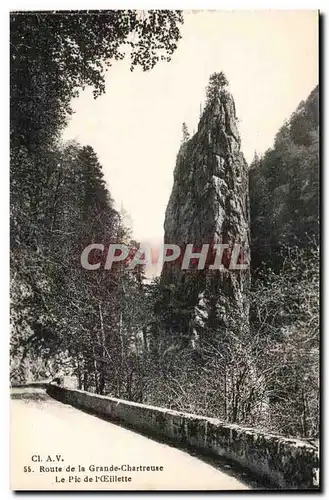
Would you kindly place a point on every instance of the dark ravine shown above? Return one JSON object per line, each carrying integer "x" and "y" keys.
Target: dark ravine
{"x": 209, "y": 204}
{"x": 282, "y": 462}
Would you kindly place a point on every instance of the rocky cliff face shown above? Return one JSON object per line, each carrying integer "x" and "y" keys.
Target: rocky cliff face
{"x": 209, "y": 204}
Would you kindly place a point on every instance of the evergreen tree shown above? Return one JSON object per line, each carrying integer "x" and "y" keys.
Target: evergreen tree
{"x": 185, "y": 133}
{"x": 217, "y": 83}
{"x": 59, "y": 201}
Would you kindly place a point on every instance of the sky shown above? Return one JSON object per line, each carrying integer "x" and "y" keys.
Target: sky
{"x": 271, "y": 61}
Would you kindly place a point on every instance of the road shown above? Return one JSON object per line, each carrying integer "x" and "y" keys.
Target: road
{"x": 49, "y": 439}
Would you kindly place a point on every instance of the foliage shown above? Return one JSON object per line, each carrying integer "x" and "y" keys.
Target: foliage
{"x": 185, "y": 133}
{"x": 285, "y": 313}
{"x": 217, "y": 83}
{"x": 284, "y": 187}
{"x": 55, "y": 54}
{"x": 63, "y": 315}
{"x": 71, "y": 320}
{"x": 117, "y": 334}
{"x": 267, "y": 377}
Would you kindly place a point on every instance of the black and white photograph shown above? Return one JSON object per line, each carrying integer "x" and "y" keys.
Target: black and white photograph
{"x": 165, "y": 250}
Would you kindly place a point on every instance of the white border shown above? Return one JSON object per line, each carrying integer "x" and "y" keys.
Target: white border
{"x": 4, "y": 185}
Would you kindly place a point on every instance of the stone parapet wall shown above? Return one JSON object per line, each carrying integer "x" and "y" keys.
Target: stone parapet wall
{"x": 278, "y": 461}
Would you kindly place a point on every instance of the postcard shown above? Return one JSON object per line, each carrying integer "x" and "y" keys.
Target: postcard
{"x": 164, "y": 225}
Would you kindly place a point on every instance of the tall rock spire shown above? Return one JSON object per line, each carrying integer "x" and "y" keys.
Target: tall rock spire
{"x": 209, "y": 204}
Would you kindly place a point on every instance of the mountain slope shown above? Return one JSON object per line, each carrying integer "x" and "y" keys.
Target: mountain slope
{"x": 284, "y": 186}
